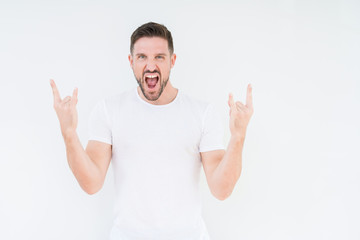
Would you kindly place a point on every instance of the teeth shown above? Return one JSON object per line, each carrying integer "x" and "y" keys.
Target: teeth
{"x": 151, "y": 76}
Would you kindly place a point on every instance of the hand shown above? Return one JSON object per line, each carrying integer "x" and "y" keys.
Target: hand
{"x": 65, "y": 110}
{"x": 240, "y": 114}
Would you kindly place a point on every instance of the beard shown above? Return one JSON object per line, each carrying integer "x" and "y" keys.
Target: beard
{"x": 147, "y": 95}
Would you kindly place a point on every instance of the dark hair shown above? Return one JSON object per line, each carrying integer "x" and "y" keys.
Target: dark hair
{"x": 152, "y": 29}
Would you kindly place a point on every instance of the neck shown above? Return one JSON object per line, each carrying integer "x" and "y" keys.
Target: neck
{"x": 168, "y": 95}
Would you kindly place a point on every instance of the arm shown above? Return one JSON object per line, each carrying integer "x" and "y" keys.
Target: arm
{"x": 223, "y": 168}
{"x": 90, "y": 166}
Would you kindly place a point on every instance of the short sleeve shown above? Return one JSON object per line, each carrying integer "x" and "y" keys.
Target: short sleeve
{"x": 213, "y": 131}
{"x": 99, "y": 124}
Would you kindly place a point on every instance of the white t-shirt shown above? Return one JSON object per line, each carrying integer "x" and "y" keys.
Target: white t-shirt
{"x": 156, "y": 162}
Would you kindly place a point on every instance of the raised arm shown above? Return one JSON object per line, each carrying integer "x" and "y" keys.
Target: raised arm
{"x": 223, "y": 168}
{"x": 88, "y": 166}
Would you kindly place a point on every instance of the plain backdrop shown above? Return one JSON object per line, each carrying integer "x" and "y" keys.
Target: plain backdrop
{"x": 301, "y": 170}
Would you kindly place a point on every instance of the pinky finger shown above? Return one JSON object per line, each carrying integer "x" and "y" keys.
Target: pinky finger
{"x": 74, "y": 98}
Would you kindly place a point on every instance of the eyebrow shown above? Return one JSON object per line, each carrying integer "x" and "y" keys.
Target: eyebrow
{"x": 158, "y": 54}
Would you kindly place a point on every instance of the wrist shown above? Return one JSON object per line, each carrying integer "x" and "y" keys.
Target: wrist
{"x": 239, "y": 136}
{"x": 68, "y": 135}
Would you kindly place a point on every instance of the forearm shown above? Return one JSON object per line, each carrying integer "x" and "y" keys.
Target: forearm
{"x": 229, "y": 169}
{"x": 84, "y": 170}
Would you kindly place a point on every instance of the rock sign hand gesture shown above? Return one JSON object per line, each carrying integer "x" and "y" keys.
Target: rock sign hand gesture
{"x": 65, "y": 110}
{"x": 240, "y": 114}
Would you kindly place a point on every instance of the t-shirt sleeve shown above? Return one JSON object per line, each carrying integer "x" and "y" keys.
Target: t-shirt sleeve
{"x": 213, "y": 131}
{"x": 99, "y": 125}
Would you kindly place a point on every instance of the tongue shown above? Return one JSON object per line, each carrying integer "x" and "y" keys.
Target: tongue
{"x": 151, "y": 82}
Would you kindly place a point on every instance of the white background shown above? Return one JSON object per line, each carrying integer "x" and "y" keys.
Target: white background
{"x": 300, "y": 177}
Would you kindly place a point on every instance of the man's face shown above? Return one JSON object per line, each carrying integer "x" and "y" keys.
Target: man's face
{"x": 151, "y": 63}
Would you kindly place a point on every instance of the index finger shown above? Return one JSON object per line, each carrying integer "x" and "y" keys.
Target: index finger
{"x": 56, "y": 93}
{"x": 249, "y": 96}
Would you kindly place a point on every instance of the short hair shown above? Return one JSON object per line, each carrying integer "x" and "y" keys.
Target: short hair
{"x": 152, "y": 29}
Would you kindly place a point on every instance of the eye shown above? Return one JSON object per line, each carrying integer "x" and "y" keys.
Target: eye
{"x": 160, "y": 57}
{"x": 141, "y": 56}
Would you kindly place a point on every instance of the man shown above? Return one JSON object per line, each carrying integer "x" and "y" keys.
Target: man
{"x": 157, "y": 137}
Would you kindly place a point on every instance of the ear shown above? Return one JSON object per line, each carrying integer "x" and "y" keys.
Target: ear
{"x": 172, "y": 60}
{"x": 130, "y": 60}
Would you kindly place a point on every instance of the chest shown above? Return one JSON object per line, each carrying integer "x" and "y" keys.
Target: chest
{"x": 176, "y": 129}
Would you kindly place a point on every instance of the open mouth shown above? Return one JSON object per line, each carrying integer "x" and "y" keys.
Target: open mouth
{"x": 151, "y": 81}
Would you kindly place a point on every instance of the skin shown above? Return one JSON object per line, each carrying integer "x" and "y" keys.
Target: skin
{"x": 222, "y": 168}
{"x": 89, "y": 166}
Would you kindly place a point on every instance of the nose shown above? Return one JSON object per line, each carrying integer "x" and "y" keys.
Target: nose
{"x": 151, "y": 66}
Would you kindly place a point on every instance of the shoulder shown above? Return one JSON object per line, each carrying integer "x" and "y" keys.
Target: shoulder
{"x": 111, "y": 103}
{"x": 117, "y": 99}
{"x": 194, "y": 103}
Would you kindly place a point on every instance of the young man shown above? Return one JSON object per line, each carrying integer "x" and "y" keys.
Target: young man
{"x": 157, "y": 138}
